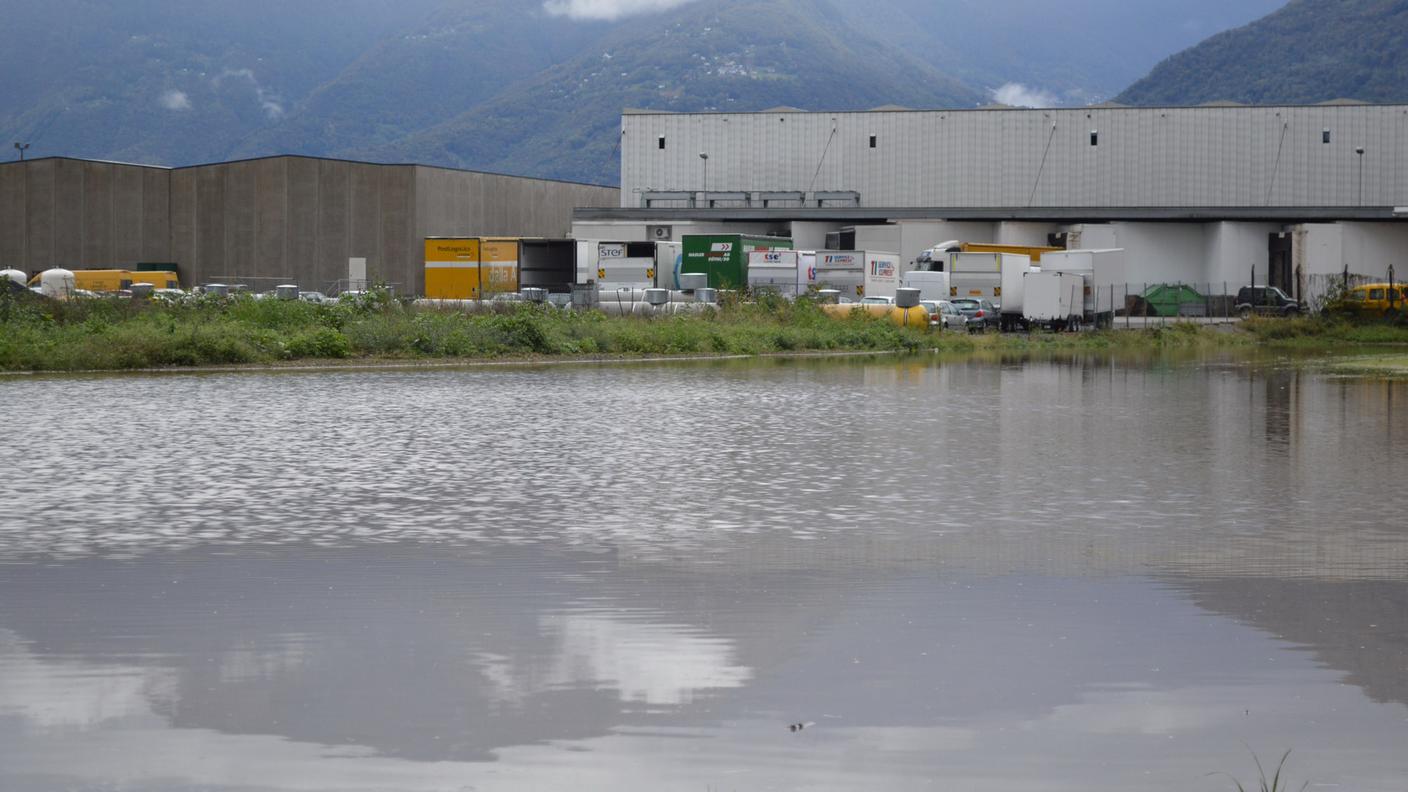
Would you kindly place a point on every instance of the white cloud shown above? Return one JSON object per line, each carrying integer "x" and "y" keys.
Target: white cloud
{"x": 175, "y": 100}
{"x": 608, "y": 9}
{"x": 268, "y": 101}
{"x": 1019, "y": 95}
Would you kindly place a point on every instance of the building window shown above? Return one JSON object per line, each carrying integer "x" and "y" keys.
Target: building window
{"x": 872, "y": 141}
{"x": 1325, "y": 136}
{"x": 1094, "y": 137}
{"x": 660, "y": 142}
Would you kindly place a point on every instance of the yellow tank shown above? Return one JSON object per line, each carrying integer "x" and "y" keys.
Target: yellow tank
{"x": 843, "y": 310}
{"x": 916, "y": 317}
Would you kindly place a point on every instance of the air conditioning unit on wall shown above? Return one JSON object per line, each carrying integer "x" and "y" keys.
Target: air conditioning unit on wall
{"x": 659, "y": 233}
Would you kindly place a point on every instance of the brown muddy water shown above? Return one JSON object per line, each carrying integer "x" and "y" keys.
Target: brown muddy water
{"x": 1050, "y": 575}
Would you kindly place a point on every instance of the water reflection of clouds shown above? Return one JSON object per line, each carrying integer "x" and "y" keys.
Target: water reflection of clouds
{"x": 662, "y": 665}
{"x": 48, "y": 695}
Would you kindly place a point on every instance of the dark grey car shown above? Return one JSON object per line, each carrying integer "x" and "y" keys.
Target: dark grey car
{"x": 981, "y": 314}
{"x": 1266, "y": 301}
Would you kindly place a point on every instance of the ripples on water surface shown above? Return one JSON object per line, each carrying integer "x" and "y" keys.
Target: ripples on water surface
{"x": 1049, "y": 575}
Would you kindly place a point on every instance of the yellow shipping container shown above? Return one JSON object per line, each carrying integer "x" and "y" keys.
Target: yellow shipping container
{"x": 500, "y": 258}
{"x": 455, "y": 266}
{"x": 452, "y": 269}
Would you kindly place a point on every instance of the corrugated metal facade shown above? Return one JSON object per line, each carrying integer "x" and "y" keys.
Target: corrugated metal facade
{"x": 1155, "y": 157}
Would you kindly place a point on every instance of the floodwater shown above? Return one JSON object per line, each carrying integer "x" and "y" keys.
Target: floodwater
{"x": 1046, "y": 575}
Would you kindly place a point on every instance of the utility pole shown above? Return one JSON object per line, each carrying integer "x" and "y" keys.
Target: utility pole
{"x": 21, "y": 148}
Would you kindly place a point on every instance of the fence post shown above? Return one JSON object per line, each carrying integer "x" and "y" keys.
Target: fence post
{"x": 1127, "y": 312}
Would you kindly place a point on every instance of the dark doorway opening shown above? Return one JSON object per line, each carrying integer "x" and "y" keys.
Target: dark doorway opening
{"x": 1279, "y": 268}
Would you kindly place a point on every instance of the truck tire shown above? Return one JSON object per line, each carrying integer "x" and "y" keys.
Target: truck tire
{"x": 1245, "y": 312}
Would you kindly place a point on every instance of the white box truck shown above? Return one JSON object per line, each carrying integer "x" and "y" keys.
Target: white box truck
{"x": 1053, "y": 299}
{"x": 777, "y": 271}
{"x": 1105, "y": 279}
{"x": 931, "y": 285}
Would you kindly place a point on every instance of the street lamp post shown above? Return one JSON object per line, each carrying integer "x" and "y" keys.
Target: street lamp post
{"x": 21, "y": 148}
{"x": 705, "y": 158}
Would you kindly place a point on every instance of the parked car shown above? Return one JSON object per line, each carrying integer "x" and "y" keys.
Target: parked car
{"x": 1374, "y": 299}
{"x": 980, "y": 314}
{"x": 944, "y": 316}
{"x": 877, "y": 301}
{"x": 1265, "y": 301}
{"x": 316, "y": 297}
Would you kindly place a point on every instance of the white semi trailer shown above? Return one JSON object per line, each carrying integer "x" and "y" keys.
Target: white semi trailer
{"x": 842, "y": 270}
{"x": 1013, "y": 290}
{"x": 882, "y": 274}
{"x": 1053, "y": 299}
{"x": 979, "y": 275}
{"x": 776, "y": 271}
{"x": 931, "y": 285}
{"x": 1105, "y": 279}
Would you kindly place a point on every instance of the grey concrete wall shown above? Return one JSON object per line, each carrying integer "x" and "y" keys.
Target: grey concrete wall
{"x": 58, "y": 212}
{"x": 292, "y": 219}
{"x": 280, "y": 219}
{"x": 1146, "y": 157}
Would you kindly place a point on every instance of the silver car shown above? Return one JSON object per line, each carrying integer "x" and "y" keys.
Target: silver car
{"x": 944, "y": 316}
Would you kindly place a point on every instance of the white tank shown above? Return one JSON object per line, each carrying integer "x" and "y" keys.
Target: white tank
{"x": 57, "y": 283}
{"x": 14, "y": 275}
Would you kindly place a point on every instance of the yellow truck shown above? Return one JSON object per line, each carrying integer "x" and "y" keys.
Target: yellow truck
{"x": 470, "y": 268}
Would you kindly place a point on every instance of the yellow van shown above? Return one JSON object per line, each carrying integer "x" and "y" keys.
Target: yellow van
{"x": 1376, "y": 299}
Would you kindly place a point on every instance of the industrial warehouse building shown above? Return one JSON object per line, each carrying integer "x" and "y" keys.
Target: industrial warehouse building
{"x": 265, "y": 221}
{"x": 1218, "y": 194}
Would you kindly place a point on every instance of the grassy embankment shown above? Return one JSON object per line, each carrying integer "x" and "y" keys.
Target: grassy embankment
{"x": 118, "y": 334}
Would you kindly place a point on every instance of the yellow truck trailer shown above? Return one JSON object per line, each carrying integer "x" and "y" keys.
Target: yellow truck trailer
{"x": 470, "y": 268}
{"x": 1034, "y": 251}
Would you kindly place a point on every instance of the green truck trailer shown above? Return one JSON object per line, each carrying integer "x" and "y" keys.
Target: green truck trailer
{"x": 724, "y": 257}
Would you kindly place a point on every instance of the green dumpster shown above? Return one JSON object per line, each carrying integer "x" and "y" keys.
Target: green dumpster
{"x": 1166, "y": 299}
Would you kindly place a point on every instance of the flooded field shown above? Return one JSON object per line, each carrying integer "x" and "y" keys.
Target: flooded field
{"x": 859, "y": 574}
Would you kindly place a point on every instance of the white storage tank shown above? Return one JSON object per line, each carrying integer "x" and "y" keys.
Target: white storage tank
{"x": 57, "y": 283}
{"x": 14, "y": 275}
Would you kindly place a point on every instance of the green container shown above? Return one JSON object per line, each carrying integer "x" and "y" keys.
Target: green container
{"x": 724, "y": 257}
{"x": 1166, "y": 299}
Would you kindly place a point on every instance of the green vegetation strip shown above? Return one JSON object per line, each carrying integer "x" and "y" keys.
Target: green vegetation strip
{"x": 102, "y": 334}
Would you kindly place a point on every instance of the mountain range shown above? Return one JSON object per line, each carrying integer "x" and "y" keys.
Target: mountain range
{"x": 1310, "y": 51}
{"x": 536, "y": 87}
